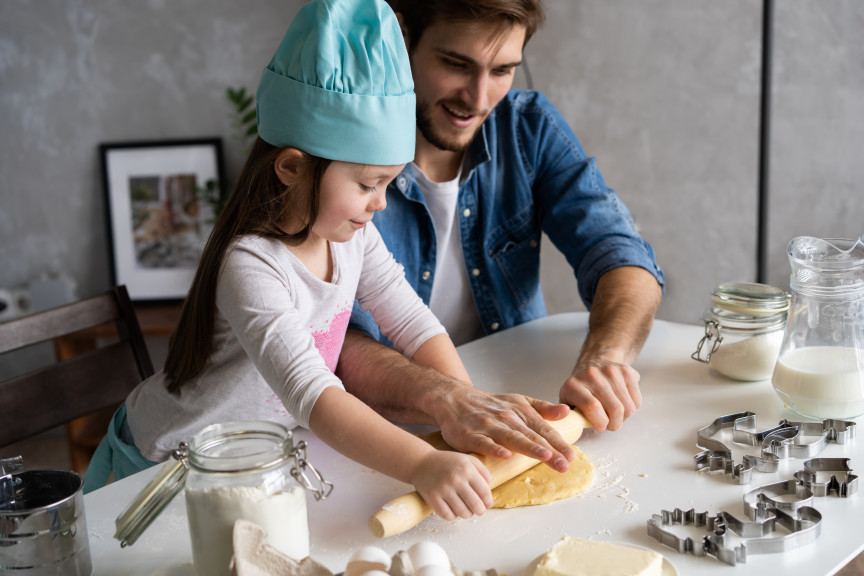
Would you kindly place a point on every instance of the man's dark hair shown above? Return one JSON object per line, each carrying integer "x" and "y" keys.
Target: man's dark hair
{"x": 418, "y": 15}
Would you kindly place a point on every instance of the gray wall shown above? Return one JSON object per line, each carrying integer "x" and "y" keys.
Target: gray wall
{"x": 74, "y": 74}
{"x": 665, "y": 93}
{"x": 817, "y": 175}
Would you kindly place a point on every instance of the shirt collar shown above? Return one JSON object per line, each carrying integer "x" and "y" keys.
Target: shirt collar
{"x": 477, "y": 154}
{"x": 478, "y": 150}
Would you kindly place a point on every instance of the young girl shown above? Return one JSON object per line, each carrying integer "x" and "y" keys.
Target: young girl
{"x": 265, "y": 318}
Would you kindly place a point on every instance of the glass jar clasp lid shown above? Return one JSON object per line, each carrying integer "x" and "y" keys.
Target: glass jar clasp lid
{"x": 317, "y": 485}
{"x": 710, "y": 342}
{"x": 302, "y": 470}
{"x": 153, "y": 499}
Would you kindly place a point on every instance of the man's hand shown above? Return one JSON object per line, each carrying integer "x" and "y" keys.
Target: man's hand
{"x": 500, "y": 424}
{"x": 603, "y": 385}
{"x": 470, "y": 420}
{"x": 607, "y": 393}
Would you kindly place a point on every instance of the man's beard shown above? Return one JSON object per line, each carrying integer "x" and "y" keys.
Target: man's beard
{"x": 424, "y": 124}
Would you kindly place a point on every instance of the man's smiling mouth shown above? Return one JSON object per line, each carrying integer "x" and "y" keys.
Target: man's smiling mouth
{"x": 457, "y": 113}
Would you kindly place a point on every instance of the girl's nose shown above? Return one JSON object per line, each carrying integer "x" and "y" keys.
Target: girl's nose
{"x": 378, "y": 201}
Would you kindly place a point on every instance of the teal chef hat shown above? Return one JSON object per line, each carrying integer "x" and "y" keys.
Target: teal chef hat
{"x": 339, "y": 85}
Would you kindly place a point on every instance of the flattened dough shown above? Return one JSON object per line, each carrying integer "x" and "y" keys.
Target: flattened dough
{"x": 539, "y": 485}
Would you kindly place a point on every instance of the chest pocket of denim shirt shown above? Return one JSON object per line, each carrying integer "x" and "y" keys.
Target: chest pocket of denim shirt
{"x": 517, "y": 254}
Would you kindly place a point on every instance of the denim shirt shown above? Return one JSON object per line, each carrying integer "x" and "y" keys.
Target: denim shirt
{"x": 525, "y": 173}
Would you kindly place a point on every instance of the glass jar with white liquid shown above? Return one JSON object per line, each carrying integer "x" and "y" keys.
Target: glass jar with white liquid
{"x": 249, "y": 470}
{"x": 743, "y": 330}
{"x": 820, "y": 368}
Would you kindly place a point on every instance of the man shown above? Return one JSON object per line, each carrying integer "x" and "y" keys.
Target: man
{"x": 493, "y": 168}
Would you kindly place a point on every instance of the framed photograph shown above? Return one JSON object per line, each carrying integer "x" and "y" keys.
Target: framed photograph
{"x": 158, "y": 218}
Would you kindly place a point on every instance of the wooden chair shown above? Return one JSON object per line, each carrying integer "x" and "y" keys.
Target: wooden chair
{"x": 97, "y": 380}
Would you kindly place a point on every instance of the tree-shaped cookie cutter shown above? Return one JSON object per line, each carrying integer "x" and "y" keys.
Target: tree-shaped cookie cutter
{"x": 786, "y": 440}
{"x": 803, "y": 527}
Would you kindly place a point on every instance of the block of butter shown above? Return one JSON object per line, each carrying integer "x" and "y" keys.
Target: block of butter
{"x": 578, "y": 557}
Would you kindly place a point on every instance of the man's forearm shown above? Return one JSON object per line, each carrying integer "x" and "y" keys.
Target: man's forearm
{"x": 471, "y": 420}
{"x": 392, "y": 384}
{"x": 622, "y": 313}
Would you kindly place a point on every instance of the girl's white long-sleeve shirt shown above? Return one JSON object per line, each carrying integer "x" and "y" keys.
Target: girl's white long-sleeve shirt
{"x": 278, "y": 333}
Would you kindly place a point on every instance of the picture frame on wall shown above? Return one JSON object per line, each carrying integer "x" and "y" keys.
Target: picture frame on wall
{"x": 158, "y": 217}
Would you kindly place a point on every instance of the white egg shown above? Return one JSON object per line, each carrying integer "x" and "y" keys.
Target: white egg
{"x": 433, "y": 570}
{"x": 428, "y": 554}
{"x": 367, "y": 559}
{"x": 373, "y": 573}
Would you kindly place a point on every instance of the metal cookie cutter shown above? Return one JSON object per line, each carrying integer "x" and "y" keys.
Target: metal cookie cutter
{"x": 803, "y": 528}
{"x": 717, "y": 456}
{"x": 789, "y": 496}
{"x": 788, "y": 441}
{"x": 808, "y": 477}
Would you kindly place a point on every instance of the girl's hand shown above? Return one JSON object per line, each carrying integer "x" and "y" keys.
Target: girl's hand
{"x": 453, "y": 484}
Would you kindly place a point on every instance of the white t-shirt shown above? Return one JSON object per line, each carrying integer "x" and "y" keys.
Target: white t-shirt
{"x": 451, "y": 300}
{"x": 278, "y": 333}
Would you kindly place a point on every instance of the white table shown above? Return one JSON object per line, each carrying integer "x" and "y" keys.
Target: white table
{"x": 640, "y": 470}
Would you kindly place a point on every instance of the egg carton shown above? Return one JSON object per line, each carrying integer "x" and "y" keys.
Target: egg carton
{"x": 254, "y": 557}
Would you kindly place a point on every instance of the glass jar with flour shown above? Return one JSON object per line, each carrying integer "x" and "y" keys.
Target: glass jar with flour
{"x": 820, "y": 368}
{"x": 249, "y": 470}
{"x": 743, "y": 330}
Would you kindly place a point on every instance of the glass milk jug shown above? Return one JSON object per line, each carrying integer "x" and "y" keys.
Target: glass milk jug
{"x": 820, "y": 367}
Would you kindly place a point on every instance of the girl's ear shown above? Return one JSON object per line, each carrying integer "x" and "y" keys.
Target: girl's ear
{"x": 287, "y": 165}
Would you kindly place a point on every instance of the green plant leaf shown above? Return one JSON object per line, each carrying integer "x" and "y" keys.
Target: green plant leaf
{"x": 245, "y": 103}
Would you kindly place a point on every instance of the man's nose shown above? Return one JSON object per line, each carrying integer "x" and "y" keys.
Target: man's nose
{"x": 477, "y": 92}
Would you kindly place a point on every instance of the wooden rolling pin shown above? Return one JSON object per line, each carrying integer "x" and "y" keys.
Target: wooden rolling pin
{"x": 409, "y": 510}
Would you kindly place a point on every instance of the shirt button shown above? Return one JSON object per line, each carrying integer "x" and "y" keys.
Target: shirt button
{"x": 475, "y": 272}
{"x": 533, "y": 243}
{"x": 401, "y": 182}
{"x": 466, "y": 212}
{"x": 426, "y": 275}
{"x": 494, "y": 326}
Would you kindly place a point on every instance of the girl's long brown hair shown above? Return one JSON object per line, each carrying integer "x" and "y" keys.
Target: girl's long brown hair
{"x": 259, "y": 204}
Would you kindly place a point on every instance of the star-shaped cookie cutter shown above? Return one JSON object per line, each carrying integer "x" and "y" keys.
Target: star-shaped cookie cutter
{"x": 786, "y": 440}
{"x": 838, "y": 467}
{"x": 803, "y": 527}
